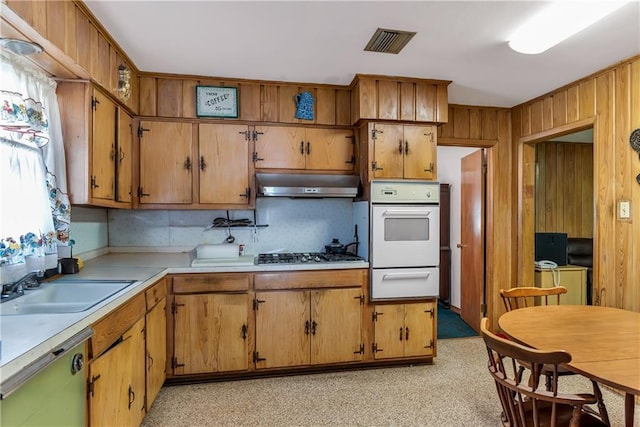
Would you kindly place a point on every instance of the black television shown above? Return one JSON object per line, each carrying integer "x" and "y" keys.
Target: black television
{"x": 551, "y": 247}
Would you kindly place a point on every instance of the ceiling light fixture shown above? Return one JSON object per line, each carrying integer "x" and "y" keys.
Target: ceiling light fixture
{"x": 20, "y": 47}
{"x": 559, "y": 21}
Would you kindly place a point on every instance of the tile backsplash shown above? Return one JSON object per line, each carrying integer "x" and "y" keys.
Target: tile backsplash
{"x": 294, "y": 225}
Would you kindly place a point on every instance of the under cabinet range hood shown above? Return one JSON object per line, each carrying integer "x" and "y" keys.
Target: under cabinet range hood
{"x": 307, "y": 185}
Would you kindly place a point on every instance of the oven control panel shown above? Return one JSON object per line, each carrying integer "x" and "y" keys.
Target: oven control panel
{"x": 427, "y": 192}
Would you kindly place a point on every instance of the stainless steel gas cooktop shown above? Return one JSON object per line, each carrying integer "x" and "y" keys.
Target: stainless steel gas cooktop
{"x": 305, "y": 258}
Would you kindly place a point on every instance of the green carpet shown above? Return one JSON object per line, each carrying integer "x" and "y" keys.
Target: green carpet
{"x": 450, "y": 325}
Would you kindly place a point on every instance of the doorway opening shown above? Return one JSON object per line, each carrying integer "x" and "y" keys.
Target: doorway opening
{"x": 564, "y": 207}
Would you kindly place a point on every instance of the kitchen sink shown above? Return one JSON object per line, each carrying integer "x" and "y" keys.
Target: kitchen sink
{"x": 62, "y": 296}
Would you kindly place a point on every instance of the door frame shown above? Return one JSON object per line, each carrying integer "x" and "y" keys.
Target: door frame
{"x": 526, "y": 194}
{"x": 489, "y": 157}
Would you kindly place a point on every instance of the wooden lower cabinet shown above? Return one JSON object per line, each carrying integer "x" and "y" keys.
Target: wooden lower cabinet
{"x": 404, "y": 330}
{"x": 127, "y": 361}
{"x": 308, "y": 327}
{"x": 156, "y": 340}
{"x": 117, "y": 381}
{"x": 210, "y": 333}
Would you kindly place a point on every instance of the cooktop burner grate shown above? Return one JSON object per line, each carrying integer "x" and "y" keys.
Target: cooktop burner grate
{"x": 305, "y": 258}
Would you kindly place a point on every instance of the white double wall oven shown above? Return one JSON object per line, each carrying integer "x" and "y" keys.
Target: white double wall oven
{"x": 404, "y": 239}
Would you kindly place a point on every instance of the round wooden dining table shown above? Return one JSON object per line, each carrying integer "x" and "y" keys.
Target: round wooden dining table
{"x": 604, "y": 342}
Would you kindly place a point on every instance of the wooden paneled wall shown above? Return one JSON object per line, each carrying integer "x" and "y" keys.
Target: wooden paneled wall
{"x": 471, "y": 126}
{"x": 610, "y": 102}
{"x": 175, "y": 97}
{"x": 490, "y": 128}
{"x": 375, "y": 97}
{"x": 76, "y": 45}
{"x": 564, "y": 188}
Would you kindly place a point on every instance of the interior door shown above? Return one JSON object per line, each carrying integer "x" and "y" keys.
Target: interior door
{"x": 472, "y": 239}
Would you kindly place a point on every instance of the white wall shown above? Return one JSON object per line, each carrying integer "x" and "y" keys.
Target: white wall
{"x": 88, "y": 229}
{"x": 449, "y": 172}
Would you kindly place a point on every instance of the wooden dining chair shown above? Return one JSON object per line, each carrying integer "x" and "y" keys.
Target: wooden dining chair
{"x": 527, "y": 296}
{"x": 524, "y": 401}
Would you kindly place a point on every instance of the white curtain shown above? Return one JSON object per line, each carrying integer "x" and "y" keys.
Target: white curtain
{"x": 35, "y": 211}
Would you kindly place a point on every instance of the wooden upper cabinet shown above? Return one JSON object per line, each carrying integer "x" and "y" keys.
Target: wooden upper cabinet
{"x": 104, "y": 147}
{"x": 223, "y": 163}
{"x": 124, "y": 157}
{"x": 258, "y": 102}
{"x": 402, "y": 151}
{"x": 398, "y": 98}
{"x": 329, "y": 149}
{"x": 97, "y": 136}
{"x": 304, "y": 148}
{"x": 166, "y": 162}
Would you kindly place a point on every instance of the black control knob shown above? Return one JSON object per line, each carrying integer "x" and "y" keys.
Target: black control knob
{"x": 77, "y": 362}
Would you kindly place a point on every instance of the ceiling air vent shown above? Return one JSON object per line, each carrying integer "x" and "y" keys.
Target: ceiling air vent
{"x": 389, "y": 41}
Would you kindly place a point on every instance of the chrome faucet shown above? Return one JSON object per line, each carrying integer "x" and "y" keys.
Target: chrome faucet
{"x": 29, "y": 281}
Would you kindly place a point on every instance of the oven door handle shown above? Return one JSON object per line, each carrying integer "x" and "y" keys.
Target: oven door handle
{"x": 400, "y": 276}
{"x": 406, "y": 213}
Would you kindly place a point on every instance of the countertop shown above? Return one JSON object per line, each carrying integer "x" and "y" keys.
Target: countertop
{"x": 26, "y": 338}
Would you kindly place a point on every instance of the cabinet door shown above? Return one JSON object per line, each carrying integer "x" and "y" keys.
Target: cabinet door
{"x": 223, "y": 163}
{"x": 166, "y": 162}
{"x": 283, "y": 328}
{"x": 209, "y": 334}
{"x": 329, "y": 149}
{"x": 156, "y": 339}
{"x": 109, "y": 399}
{"x": 280, "y": 147}
{"x": 137, "y": 382}
{"x": 420, "y": 152}
{"x": 103, "y": 147}
{"x": 388, "y": 147}
{"x": 118, "y": 381}
{"x": 389, "y": 331}
{"x": 124, "y": 157}
{"x": 336, "y": 332}
{"x": 418, "y": 334}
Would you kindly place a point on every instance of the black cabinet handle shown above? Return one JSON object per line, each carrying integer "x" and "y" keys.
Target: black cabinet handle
{"x": 203, "y": 165}
{"x": 406, "y": 334}
{"x": 400, "y": 334}
{"x": 187, "y": 163}
{"x": 302, "y": 147}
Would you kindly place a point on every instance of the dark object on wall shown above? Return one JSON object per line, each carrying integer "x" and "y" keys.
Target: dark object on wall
{"x": 580, "y": 252}
{"x": 551, "y": 247}
{"x": 445, "y": 245}
{"x": 634, "y": 140}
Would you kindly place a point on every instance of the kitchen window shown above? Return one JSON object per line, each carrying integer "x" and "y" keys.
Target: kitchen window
{"x": 35, "y": 212}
